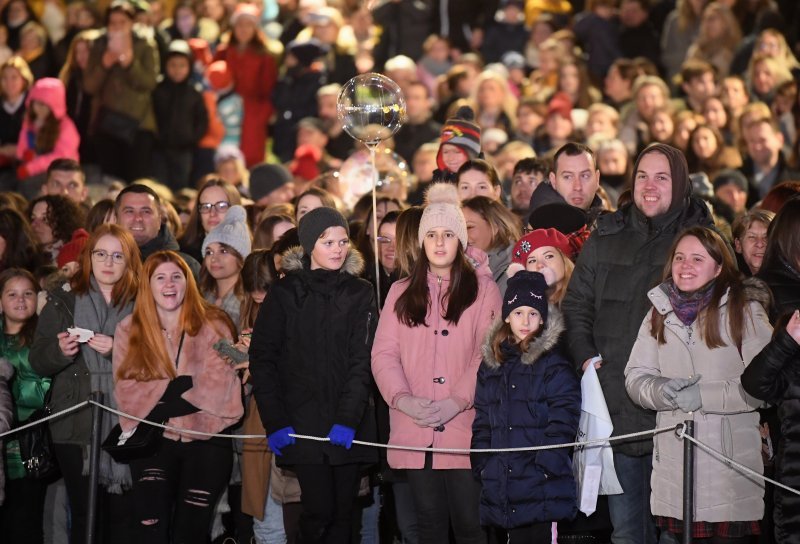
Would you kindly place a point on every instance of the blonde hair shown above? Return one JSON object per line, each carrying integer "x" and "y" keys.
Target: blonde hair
{"x": 21, "y": 66}
{"x": 509, "y": 105}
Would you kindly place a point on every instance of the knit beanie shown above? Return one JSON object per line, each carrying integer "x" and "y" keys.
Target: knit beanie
{"x": 71, "y": 251}
{"x": 681, "y": 184}
{"x": 533, "y": 241}
{"x": 265, "y": 178}
{"x": 443, "y": 209}
{"x": 526, "y": 289}
{"x": 307, "y": 51}
{"x": 231, "y": 231}
{"x": 462, "y": 132}
{"x": 218, "y": 76}
{"x": 730, "y": 177}
{"x": 317, "y": 221}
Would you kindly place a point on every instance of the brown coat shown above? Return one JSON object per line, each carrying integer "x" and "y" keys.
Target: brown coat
{"x": 256, "y": 463}
{"x": 216, "y": 390}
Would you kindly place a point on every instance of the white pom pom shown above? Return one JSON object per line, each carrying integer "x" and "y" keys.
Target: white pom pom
{"x": 442, "y": 193}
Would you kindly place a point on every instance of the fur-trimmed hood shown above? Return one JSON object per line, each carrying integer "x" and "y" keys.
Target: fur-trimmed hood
{"x": 294, "y": 261}
{"x": 755, "y": 290}
{"x": 553, "y": 329}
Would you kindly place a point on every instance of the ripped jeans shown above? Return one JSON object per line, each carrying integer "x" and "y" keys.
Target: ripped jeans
{"x": 176, "y": 490}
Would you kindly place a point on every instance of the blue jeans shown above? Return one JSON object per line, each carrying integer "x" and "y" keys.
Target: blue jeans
{"x": 630, "y": 511}
{"x": 270, "y": 529}
{"x": 369, "y": 519}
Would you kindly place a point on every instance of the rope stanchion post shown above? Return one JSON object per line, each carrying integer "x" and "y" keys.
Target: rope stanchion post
{"x": 94, "y": 462}
{"x": 688, "y": 482}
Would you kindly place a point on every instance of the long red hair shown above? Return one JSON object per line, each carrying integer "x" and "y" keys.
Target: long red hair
{"x": 125, "y": 289}
{"x": 147, "y": 357}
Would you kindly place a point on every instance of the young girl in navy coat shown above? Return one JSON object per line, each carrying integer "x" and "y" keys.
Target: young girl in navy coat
{"x": 527, "y": 395}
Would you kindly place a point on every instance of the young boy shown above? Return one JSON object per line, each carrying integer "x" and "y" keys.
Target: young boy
{"x": 181, "y": 117}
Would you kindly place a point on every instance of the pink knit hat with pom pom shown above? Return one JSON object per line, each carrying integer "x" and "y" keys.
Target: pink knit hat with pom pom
{"x": 443, "y": 209}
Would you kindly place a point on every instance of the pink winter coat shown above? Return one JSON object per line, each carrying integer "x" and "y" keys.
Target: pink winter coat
{"x": 216, "y": 388}
{"x": 405, "y": 361}
{"x": 51, "y": 92}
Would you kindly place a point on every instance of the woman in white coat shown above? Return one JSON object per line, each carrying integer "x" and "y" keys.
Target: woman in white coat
{"x": 705, "y": 327}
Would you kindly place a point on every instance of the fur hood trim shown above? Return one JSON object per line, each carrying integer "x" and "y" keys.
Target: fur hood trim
{"x": 540, "y": 345}
{"x": 293, "y": 261}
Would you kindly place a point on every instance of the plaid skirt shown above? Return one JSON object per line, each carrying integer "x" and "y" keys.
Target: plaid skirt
{"x": 707, "y": 529}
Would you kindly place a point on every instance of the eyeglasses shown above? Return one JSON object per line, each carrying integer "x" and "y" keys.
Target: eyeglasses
{"x": 101, "y": 256}
{"x": 385, "y": 240}
{"x": 220, "y": 206}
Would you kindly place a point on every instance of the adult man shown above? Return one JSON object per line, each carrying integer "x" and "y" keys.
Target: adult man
{"x": 340, "y": 144}
{"x": 271, "y": 184}
{"x": 765, "y": 165}
{"x": 138, "y": 210}
{"x": 604, "y": 306}
{"x": 697, "y": 81}
{"x": 419, "y": 128}
{"x": 65, "y": 177}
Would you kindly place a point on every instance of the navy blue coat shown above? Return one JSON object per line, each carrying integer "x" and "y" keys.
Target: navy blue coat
{"x": 530, "y": 399}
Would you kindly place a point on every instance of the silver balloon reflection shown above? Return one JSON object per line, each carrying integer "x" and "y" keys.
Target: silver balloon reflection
{"x": 371, "y": 108}
{"x": 357, "y": 177}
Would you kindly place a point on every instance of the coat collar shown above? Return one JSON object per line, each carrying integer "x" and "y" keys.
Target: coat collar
{"x": 294, "y": 260}
{"x": 755, "y": 290}
{"x": 540, "y": 345}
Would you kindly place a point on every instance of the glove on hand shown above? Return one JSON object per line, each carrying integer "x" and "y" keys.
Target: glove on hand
{"x": 342, "y": 436}
{"x": 280, "y": 439}
{"x": 683, "y": 393}
{"x": 176, "y": 388}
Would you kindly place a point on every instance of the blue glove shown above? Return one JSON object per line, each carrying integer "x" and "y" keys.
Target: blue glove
{"x": 280, "y": 439}
{"x": 342, "y": 436}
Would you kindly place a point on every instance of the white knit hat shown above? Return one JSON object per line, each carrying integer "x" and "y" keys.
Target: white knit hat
{"x": 231, "y": 231}
{"x": 443, "y": 209}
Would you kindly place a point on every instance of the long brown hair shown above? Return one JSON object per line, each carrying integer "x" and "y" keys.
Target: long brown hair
{"x": 147, "y": 358}
{"x": 47, "y": 135}
{"x": 412, "y": 306}
{"x": 208, "y": 284}
{"x": 25, "y": 336}
{"x": 124, "y": 290}
{"x": 504, "y": 333}
{"x": 729, "y": 281}
{"x": 407, "y": 241}
{"x": 256, "y": 276}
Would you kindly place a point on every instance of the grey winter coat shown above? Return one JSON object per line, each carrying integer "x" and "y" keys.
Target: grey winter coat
{"x": 727, "y": 420}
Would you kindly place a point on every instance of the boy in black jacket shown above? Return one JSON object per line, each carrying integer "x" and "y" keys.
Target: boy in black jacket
{"x": 181, "y": 117}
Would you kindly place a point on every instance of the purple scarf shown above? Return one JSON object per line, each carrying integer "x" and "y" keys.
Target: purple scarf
{"x": 687, "y": 305}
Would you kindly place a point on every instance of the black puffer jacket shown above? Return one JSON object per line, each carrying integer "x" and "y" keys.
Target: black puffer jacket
{"x": 606, "y": 300}
{"x": 773, "y": 376}
{"x": 784, "y": 282}
{"x": 310, "y": 358}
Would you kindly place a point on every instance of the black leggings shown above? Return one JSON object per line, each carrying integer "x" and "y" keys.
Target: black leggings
{"x": 176, "y": 490}
{"x": 327, "y": 496}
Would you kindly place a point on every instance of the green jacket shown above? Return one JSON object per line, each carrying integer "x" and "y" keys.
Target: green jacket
{"x": 28, "y": 390}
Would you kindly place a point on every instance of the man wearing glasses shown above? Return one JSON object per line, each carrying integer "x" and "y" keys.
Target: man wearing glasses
{"x": 138, "y": 210}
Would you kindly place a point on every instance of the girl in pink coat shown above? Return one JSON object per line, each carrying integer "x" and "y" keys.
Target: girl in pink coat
{"x": 425, "y": 360}
{"x": 47, "y": 131}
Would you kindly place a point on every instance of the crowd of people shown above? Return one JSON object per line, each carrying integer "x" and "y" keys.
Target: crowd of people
{"x": 186, "y": 228}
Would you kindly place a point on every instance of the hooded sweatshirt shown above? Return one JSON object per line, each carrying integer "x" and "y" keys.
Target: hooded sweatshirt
{"x": 51, "y": 92}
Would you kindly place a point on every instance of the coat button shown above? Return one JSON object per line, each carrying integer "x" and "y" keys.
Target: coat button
{"x": 513, "y": 386}
{"x": 435, "y": 332}
{"x": 445, "y": 332}
{"x": 513, "y": 510}
{"x": 510, "y": 427}
{"x": 440, "y": 379}
{"x": 509, "y": 469}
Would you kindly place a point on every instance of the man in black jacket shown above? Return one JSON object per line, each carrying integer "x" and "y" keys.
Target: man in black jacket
{"x": 606, "y": 302}
{"x": 138, "y": 209}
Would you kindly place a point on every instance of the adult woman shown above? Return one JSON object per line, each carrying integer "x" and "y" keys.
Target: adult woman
{"x": 79, "y": 102}
{"x": 311, "y": 199}
{"x": 680, "y": 30}
{"x": 270, "y": 229}
{"x": 764, "y": 76}
{"x": 18, "y": 246}
{"x": 164, "y": 354}
{"x": 53, "y": 220}
{"x": 781, "y": 266}
{"x": 548, "y": 252}
{"x": 718, "y": 38}
{"x": 573, "y": 79}
{"x": 387, "y": 252}
{"x": 21, "y": 516}
{"x": 717, "y": 116}
{"x": 121, "y": 75}
{"x": 100, "y": 295}
{"x": 708, "y": 153}
{"x": 750, "y": 240}
{"x": 425, "y": 361}
{"x": 309, "y": 360}
{"x": 478, "y": 178}
{"x": 705, "y": 327}
{"x": 224, "y": 250}
{"x": 214, "y": 199}
{"x": 493, "y": 228}
{"x": 254, "y": 75}
{"x": 15, "y": 80}
{"x": 496, "y": 106}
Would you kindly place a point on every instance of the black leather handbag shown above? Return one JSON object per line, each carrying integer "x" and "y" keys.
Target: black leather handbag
{"x": 36, "y": 448}
{"x": 144, "y": 442}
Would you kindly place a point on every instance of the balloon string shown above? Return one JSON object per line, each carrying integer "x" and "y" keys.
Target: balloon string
{"x": 375, "y": 225}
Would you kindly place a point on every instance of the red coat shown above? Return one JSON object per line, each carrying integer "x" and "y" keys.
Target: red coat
{"x": 254, "y": 77}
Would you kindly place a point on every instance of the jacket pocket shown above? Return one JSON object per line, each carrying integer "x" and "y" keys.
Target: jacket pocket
{"x": 726, "y": 437}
